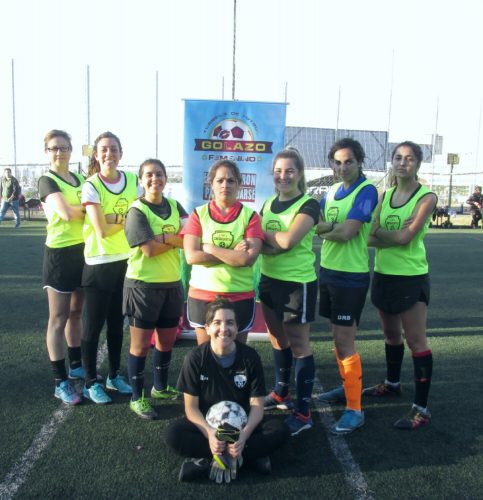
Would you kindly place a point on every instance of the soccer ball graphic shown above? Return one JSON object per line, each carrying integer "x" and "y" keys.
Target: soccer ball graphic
{"x": 232, "y": 130}
{"x": 226, "y": 412}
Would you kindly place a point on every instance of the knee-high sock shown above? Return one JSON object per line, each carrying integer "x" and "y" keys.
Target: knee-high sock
{"x": 282, "y": 359}
{"x": 135, "y": 369}
{"x": 423, "y": 369}
{"x": 394, "y": 359}
{"x": 352, "y": 367}
{"x": 339, "y": 366}
{"x": 304, "y": 380}
{"x": 75, "y": 357}
{"x": 161, "y": 362}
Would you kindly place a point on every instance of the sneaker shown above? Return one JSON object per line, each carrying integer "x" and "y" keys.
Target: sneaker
{"x": 168, "y": 393}
{"x": 415, "y": 419}
{"x": 96, "y": 394}
{"x": 194, "y": 468}
{"x": 382, "y": 390}
{"x": 65, "y": 392}
{"x": 336, "y": 395}
{"x": 273, "y": 400}
{"x": 349, "y": 422}
{"x": 79, "y": 373}
{"x": 118, "y": 383}
{"x": 142, "y": 408}
{"x": 298, "y": 423}
{"x": 262, "y": 465}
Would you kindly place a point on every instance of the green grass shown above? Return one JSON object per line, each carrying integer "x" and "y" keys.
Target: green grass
{"x": 107, "y": 452}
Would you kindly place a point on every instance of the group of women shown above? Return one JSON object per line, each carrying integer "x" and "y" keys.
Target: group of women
{"x": 112, "y": 250}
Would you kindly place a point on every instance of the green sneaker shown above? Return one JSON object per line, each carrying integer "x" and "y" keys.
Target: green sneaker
{"x": 142, "y": 408}
{"x": 168, "y": 393}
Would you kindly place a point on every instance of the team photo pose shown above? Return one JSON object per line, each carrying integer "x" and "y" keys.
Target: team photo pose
{"x": 222, "y": 240}
{"x": 153, "y": 294}
{"x": 223, "y": 369}
{"x": 288, "y": 286}
{"x": 344, "y": 272}
{"x": 400, "y": 287}
{"x": 106, "y": 195}
{"x": 60, "y": 193}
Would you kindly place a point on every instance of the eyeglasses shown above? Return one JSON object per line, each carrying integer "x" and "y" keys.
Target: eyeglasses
{"x": 56, "y": 149}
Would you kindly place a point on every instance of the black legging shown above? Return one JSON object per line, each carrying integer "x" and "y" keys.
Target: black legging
{"x": 188, "y": 441}
{"x": 102, "y": 307}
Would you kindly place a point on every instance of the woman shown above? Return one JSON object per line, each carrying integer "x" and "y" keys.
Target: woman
{"x": 344, "y": 272}
{"x": 223, "y": 370}
{"x": 60, "y": 192}
{"x": 153, "y": 294}
{"x": 400, "y": 288}
{"x": 222, "y": 241}
{"x": 288, "y": 285}
{"x": 106, "y": 195}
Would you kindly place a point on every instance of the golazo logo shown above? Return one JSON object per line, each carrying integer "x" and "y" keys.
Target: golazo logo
{"x": 233, "y": 135}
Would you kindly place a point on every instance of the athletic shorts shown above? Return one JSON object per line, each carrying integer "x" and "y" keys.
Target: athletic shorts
{"x": 396, "y": 294}
{"x": 292, "y": 302}
{"x": 153, "y": 307}
{"x": 62, "y": 268}
{"x": 108, "y": 277}
{"x": 244, "y": 312}
{"x": 342, "y": 305}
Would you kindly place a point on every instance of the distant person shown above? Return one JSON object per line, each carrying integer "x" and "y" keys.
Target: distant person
{"x": 400, "y": 287}
{"x": 288, "y": 286}
{"x": 475, "y": 201}
{"x": 10, "y": 193}
{"x": 223, "y": 369}
{"x": 222, "y": 240}
{"x": 60, "y": 193}
{"x": 344, "y": 272}
{"x": 153, "y": 293}
{"x": 107, "y": 195}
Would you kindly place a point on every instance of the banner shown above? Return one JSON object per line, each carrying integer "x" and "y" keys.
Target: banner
{"x": 248, "y": 133}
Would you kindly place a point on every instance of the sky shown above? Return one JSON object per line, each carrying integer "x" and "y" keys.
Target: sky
{"x": 397, "y": 64}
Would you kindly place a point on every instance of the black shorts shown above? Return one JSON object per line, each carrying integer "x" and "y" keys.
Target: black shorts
{"x": 292, "y": 302}
{"x": 342, "y": 305}
{"x": 244, "y": 311}
{"x": 396, "y": 294}
{"x": 108, "y": 277}
{"x": 153, "y": 307}
{"x": 62, "y": 268}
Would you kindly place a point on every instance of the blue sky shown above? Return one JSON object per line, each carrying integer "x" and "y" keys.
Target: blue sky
{"x": 429, "y": 49}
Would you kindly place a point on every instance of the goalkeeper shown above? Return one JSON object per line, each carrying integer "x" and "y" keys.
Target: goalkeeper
{"x": 223, "y": 370}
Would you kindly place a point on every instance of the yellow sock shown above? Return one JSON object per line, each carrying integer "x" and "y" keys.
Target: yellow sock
{"x": 352, "y": 368}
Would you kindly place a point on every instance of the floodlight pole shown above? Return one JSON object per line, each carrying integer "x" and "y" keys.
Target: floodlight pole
{"x": 157, "y": 113}
{"x": 234, "y": 51}
{"x": 434, "y": 144}
{"x": 13, "y": 116}
{"x": 88, "y": 83}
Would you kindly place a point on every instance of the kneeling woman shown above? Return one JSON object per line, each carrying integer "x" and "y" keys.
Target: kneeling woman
{"x": 219, "y": 370}
{"x": 153, "y": 294}
{"x": 400, "y": 288}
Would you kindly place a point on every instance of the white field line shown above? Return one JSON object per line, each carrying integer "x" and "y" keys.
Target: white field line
{"x": 19, "y": 472}
{"x": 352, "y": 473}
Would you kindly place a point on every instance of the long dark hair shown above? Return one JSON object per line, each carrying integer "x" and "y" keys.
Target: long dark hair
{"x": 94, "y": 165}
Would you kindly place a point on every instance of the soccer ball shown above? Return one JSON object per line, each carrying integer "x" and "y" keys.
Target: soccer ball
{"x": 226, "y": 412}
{"x": 232, "y": 130}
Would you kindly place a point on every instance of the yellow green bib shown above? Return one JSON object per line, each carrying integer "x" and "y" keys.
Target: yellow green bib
{"x": 111, "y": 203}
{"x": 62, "y": 233}
{"x": 406, "y": 260}
{"x": 297, "y": 264}
{"x": 162, "y": 268}
{"x": 351, "y": 256}
{"x": 222, "y": 277}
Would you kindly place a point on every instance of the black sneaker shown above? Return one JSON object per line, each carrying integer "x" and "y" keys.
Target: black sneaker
{"x": 262, "y": 465}
{"x": 194, "y": 468}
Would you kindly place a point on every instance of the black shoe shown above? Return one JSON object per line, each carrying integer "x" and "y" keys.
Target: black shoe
{"x": 263, "y": 465}
{"x": 194, "y": 468}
